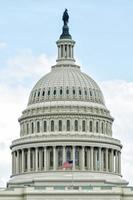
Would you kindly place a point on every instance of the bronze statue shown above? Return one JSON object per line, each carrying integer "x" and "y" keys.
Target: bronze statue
{"x": 65, "y": 29}
{"x": 65, "y": 17}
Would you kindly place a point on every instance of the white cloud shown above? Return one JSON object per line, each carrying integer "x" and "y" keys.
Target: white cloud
{"x": 119, "y": 100}
{"x": 25, "y": 66}
{"x": 14, "y": 96}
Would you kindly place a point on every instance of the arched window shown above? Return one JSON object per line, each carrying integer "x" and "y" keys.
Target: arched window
{"x": 73, "y": 91}
{"x": 32, "y": 127}
{"x": 90, "y": 93}
{"x": 83, "y": 126}
{"x": 79, "y": 92}
{"x": 48, "y": 92}
{"x": 102, "y": 128}
{"x": 35, "y": 94}
{"x": 97, "y": 127}
{"x": 38, "y": 94}
{"x": 27, "y": 128}
{"x": 45, "y": 126}
{"x": 85, "y": 93}
{"x": 43, "y": 93}
{"x": 54, "y": 92}
{"x": 60, "y": 125}
{"x": 61, "y": 91}
{"x": 76, "y": 125}
{"x": 52, "y": 125}
{"x": 68, "y": 125}
{"x": 90, "y": 127}
{"x": 38, "y": 127}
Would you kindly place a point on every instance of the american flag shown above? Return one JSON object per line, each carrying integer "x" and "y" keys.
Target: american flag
{"x": 67, "y": 164}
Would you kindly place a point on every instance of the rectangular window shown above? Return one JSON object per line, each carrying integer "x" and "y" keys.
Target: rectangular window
{"x": 83, "y": 126}
{"x": 60, "y": 125}
{"x": 45, "y": 126}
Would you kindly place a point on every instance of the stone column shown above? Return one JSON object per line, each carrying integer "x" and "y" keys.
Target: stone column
{"x": 88, "y": 158}
{"x": 63, "y": 51}
{"x": 107, "y": 160}
{"x": 12, "y": 164}
{"x": 36, "y": 158}
{"x": 73, "y": 151}
{"x": 112, "y": 160}
{"x": 40, "y": 159}
{"x": 28, "y": 160}
{"x": 100, "y": 159}
{"x": 48, "y": 158}
{"x": 17, "y": 161}
{"x": 58, "y": 51}
{"x": 22, "y": 161}
{"x": 54, "y": 158}
{"x": 72, "y": 51}
{"x": 32, "y": 160}
{"x": 116, "y": 161}
{"x": 95, "y": 159}
{"x": 45, "y": 158}
{"x": 119, "y": 162}
{"x": 83, "y": 158}
{"x": 67, "y": 51}
{"x": 64, "y": 154}
{"x": 92, "y": 167}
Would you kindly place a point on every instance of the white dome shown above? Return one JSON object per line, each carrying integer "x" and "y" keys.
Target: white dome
{"x": 66, "y": 82}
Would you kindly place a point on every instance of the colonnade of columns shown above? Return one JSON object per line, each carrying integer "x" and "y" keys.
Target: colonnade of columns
{"x": 52, "y": 158}
{"x": 65, "y": 50}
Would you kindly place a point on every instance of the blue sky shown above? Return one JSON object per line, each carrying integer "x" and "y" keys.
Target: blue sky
{"x": 103, "y": 31}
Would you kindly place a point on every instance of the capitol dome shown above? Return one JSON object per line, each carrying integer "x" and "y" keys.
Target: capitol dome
{"x": 66, "y": 127}
{"x": 66, "y": 82}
